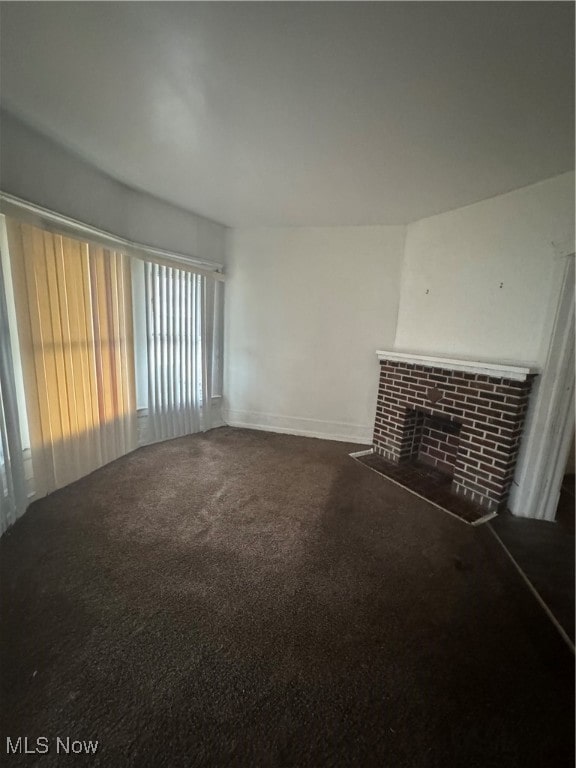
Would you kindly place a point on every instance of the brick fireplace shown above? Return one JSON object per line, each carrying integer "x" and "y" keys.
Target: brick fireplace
{"x": 464, "y": 418}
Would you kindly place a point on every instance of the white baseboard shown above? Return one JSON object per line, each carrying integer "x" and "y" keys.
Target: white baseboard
{"x": 294, "y": 425}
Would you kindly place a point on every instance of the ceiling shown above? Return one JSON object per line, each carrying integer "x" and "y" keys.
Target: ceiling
{"x": 295, "y": 114}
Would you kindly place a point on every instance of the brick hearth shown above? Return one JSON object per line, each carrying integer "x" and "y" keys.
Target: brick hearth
{"x": 469, "y": 425}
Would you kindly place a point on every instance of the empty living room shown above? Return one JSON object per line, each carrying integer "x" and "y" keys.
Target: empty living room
{"x": 287, "y": 384}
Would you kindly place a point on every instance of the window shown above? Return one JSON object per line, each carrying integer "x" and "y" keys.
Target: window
{"x": 180, "y": 312}
{"x": 73, "y": 310}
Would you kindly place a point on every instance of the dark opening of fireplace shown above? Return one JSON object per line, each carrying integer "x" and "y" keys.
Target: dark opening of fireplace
{"x": 434, "y": 441}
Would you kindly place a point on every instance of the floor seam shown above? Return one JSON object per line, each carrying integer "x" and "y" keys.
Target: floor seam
{"x": 547, "y": 610}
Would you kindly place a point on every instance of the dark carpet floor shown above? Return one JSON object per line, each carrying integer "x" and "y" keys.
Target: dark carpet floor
{"x": 545, "y": 552}
{"x": 250, "y": 599}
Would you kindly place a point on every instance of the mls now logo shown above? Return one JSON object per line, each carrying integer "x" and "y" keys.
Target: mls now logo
{"x": 22, "y": 745}
{"x": 67, "y": 746}
{"x": 26, "y": 746}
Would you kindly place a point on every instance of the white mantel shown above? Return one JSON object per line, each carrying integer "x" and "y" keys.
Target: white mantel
{"x": 515, "y": 371}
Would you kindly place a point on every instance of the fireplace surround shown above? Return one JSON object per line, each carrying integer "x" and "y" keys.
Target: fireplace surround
{"x": 463, "y": 417}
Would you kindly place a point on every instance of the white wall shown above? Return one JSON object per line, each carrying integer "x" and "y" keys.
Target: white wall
{"x": 306, "y": 309}
{"x": 478, "y": 281}
{"x": 40, "y": 171}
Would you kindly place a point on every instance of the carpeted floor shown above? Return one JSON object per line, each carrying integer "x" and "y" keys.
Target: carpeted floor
{"x": 545, "y": 552}
{"x": 249, "y": 599}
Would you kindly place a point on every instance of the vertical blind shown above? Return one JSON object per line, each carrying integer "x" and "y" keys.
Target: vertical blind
{"x": 12, "y": 482}
{"x": 74, "y": 315}
{"x": 179, "y": 332}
